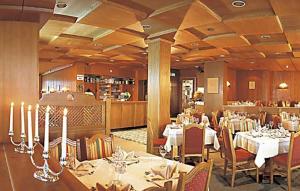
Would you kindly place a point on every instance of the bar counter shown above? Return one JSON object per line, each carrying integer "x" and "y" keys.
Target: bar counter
{"x": 124, "y": 114}
{"x": 16, "y": 173}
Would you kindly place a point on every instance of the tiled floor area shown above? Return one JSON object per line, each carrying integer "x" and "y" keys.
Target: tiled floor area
{"x": 218, "y": 182}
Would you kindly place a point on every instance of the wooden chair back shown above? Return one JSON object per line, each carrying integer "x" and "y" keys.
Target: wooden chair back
{"x": 262, "y": 117}
{"x": 99, "y": 146}
{"x": 276, "y": 120}
{"x": 197, "y": 179}
{"x": 294, "y": 155}
{"x": 73, "y": 149}
{"x": 228, "y": 145}
{"x": 193, "y": 140}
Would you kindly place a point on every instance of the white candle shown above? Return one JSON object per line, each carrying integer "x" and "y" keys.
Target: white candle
{"x": 30, "y": 144}
{"x": 36, "y": 132}
{"x": 11, "y": 119}
{"x": 22, "y": 120}
{"x": 64, "y": 136}
{"x": 46, "y": 138}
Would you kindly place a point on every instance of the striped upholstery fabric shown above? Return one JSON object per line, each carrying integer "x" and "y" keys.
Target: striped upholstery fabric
{"x": 99, "y": 148}
{"x": 55, "y": 152}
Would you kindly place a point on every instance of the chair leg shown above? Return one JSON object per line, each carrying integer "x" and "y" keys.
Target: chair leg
{"x": 233, "y": 175}
{"x": 289, "y": 179}
{"x": 225, "y": 166}
{"x": 207, "y": 156}
{"x": 221, "y": 152}
{"x": 272, "y": 171}
{"x": 257, "y": 175}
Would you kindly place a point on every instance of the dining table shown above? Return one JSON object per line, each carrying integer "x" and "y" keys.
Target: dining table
{"x": 264, "y": 147}
{"x": 102, "y": 171}
{"x": 174, "y": 134}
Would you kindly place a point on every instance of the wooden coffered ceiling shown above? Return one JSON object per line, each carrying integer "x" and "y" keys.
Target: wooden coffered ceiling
{"x": 262, "y": 35}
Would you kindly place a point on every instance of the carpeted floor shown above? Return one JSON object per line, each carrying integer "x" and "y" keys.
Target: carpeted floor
{"x": 135, "y": 139}
{"x": 138, "y": 135}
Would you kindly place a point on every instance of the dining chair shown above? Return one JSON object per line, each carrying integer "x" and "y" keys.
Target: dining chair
{"x": 99, "y": 146}
{"x": 193, "y": 141}
{"x": 276, "y": 120}
{"x": 197, "y": 179}
{"x": 167, "y": 187}
{"x": 290, "y": 161}
{"x": 262, "y": 117}
{"x": 156, "y": 142}
{"x": 217, "y": 128}
{"x": 73, "y": 149}
{"x": 237, "y": 157}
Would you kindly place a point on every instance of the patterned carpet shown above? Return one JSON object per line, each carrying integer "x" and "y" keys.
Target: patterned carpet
{"x": 137, "y": 135}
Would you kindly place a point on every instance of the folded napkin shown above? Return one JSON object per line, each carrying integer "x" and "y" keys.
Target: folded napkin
{"x": 113, "y": 187}
{"x": 165, "y": 172}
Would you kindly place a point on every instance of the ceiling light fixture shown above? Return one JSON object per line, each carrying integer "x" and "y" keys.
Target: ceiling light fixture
{"x": 287, "y": 66}
{"x": 61, "y": 4}
{"x": 252, "y": 62}
{"x": 111, "y": 60}
{"x": 238, "y": 3}
{"x": 144, "y": 52}
{"x": 222, "y": 55}
{"x": 177, "y": 60}
{"x": 210, "y": 29}
{"x": 146, "y": 27}
{"x": 265, "y": 36}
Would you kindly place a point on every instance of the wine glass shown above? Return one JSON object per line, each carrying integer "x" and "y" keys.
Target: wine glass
{"x": 120, "y": 168}
{"x": 163, "y": 152}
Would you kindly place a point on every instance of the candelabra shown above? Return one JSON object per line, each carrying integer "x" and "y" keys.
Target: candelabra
{"x": 44, "y": 172}
{"x": 20, "y": 147}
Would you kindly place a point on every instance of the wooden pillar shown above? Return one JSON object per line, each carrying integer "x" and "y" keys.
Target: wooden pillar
{"x": 214, "y": 101}
{"x": 159, "y": 87}
{"x": 19, "y": 74}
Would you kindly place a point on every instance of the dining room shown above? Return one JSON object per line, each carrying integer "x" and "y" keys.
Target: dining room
{"x": 149, "y": 95}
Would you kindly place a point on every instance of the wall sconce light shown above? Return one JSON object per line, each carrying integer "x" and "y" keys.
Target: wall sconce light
{"x": 227, "y": 84}
{"x": 283, "y": 85}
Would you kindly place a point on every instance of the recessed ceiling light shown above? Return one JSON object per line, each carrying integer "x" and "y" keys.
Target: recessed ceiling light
{"x": 278, "y": 53}
{"x": 222, "y": 55}
{"x": 197, "y": 66}
{"x": 61, "y": 4}
{"x": 210, "y": 29}
{"x": 144, "y": 52}
{"x": 177, "y": 60}
{"x": 252, "y": 62}
{"x": 287, "y": 66}
{"x": 111, "y": 60}
{"x": 265, "y": 36}
{"x": 146, "y": 27}
{"x": 238, "y": 3}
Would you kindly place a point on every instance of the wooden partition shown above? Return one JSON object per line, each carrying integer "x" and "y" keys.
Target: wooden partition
{"x": 128, "y": 114}
{"x": 86, "y": 116}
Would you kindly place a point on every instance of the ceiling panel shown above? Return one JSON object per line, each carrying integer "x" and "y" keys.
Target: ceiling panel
{"x": 286, "y": 64}
{"x": 71, "y": 41}
{"x": 227, "y": 40}
{"x": 86, "y": 30}
{"x": 273, "y": 47}
{"x": 284, "y": 7}
{"x": 206, "y": 53}
{"x": 184, "y": 36}
{"x": 257, "y": 24}
{"x": 109, "y": 17}
{"x": 293, "y": 36}
{"x": 255, "y": 39}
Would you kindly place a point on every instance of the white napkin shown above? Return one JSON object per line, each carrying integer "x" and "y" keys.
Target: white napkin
{"x": 165, "y": 172}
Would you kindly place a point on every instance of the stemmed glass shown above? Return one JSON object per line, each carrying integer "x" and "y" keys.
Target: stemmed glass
{"x": 163, "y": 152}
{"x": 120, "y": 168}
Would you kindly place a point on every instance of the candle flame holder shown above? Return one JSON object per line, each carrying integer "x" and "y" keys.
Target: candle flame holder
{"x": 44, "y": 173}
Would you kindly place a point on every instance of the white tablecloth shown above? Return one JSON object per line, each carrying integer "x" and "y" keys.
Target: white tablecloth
{"x": 234, "y": 124}
{"x": 135, "y": 173}
{"x": 263, "y": 147}
{"x": 291, "y": 125}
{"x": 175, "y": 137}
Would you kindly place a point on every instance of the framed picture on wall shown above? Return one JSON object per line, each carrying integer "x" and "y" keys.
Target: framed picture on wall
{"x": 251, "y": 85}
{"x": 213, "y": 85}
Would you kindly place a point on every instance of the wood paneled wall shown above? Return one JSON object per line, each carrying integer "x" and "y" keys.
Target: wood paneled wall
{"x": 63, "y": 78}
{"x": 19, "y": 76}
{"x": 267, "y": 85}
